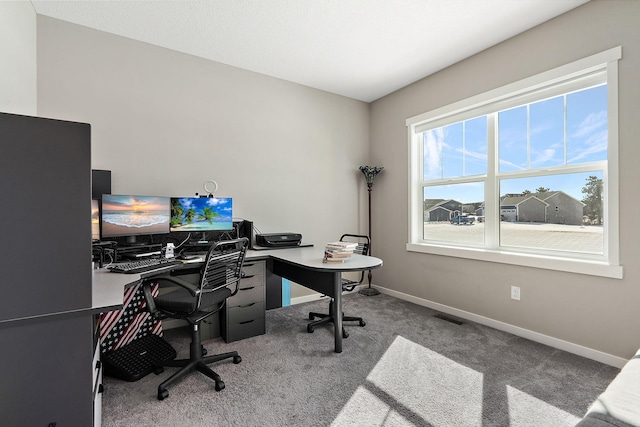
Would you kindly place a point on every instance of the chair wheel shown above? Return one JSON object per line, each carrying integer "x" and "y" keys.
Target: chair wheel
{"x": 158, "y": 370}
{"x": 310, "y": 329}
{"x": 204, "y": 351}
{"x": 219, "y": 385}
{"x": 311, "y": 316}
{"x": 362, "y": 323}
{"x": 345, "y": 334}
{"x": 237, "y": 359}
{"x": 163, "y": 394}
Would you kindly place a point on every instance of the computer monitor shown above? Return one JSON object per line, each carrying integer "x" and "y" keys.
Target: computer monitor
{"x": 201, "y": 214}
{"x": 95, "y": 220}
{"x": 131, "y": 216}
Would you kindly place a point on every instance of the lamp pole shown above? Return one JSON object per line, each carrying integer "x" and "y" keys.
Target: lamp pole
{"x": 370, "y": 173}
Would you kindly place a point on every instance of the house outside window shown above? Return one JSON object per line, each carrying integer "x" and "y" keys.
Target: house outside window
{"x": 525, "y": 174}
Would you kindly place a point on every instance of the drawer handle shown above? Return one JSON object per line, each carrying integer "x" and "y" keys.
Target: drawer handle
{"x": 244, "y": 276}
{"x": 248, "y": 321}
{"x": 247, "y": 289}
{"x": 248, "y": 305}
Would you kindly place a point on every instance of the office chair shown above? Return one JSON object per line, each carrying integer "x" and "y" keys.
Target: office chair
{"x": 347, "y": 285}
{"x": 221, "y": 271}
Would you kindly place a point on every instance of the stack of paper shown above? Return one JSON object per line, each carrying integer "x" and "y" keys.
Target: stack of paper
{"x": 339, "y": 251}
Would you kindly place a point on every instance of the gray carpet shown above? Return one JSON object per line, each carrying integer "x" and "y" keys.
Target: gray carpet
{"x": 404, "y": 368}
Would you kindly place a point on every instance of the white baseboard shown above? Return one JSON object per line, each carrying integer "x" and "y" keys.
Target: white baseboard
{"x": 589, "y": 353}
{"x": 315, "y": 297}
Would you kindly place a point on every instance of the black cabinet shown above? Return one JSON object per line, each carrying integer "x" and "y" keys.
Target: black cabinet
{"x": 46, "y": 326}
{"x": 244, "y": 314}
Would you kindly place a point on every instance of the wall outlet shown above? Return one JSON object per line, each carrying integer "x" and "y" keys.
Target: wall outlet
{"x": 515, "y": 293}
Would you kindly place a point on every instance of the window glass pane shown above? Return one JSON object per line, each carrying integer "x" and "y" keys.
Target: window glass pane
{"x": 559, "y": 212}
{"x": 433, "y": 142}
{"x": 587, "y": 128}
{"x": 452, "y": 151}
{"x": 512, "y": 139}
{"x": 475, "y": 146}
{"x": 546, "y": 132}
{"x": 454, "y": 213}
{"x": 456, "y": 150}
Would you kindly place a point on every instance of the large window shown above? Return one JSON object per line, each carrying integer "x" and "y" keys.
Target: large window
{"x": 525, "y": 174}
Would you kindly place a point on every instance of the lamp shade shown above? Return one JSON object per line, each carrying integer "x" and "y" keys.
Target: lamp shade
{"x": 370, "y": 172}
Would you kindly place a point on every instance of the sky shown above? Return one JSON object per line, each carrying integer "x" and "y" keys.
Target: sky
{"x": 569, "y": 129}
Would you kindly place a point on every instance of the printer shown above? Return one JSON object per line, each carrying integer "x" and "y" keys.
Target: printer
{"x": 277, "y": 240}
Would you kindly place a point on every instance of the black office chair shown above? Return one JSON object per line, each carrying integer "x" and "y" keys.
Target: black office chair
{"x": 347, "y": 285}
{"x": 195, "y": 302}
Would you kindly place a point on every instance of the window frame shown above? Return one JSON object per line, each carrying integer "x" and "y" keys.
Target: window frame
{"x": 557, "y": 80}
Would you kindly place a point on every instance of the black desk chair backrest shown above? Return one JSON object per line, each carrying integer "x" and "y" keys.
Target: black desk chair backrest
{"x": 362, "y": 248}
{"x": 221, "y": 271}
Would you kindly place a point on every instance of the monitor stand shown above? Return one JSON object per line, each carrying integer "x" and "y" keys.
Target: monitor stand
{"x": 131, "y": 241}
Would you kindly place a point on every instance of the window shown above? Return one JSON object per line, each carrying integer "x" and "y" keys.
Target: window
{"x": 525, "y": 174}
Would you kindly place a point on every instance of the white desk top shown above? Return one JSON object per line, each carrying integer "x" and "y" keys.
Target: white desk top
{"x": 108, "y": 287}
{"x": 311, "y": 257}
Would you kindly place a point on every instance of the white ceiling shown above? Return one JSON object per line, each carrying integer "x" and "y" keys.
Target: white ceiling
{"x": 362, "y": 49}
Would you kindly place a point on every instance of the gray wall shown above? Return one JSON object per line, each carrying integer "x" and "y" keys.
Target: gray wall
{"x": 165, "y": 122}
{"x": 17, "y": 58}
{"x": 593, "y": 312}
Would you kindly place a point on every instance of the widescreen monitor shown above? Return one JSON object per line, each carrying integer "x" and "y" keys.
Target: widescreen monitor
{"x": 124, "y": 215}
{"x": 201, "y": 214}
{"x": 95, "y": 220}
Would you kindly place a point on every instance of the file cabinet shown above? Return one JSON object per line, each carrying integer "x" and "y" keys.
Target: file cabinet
{"x": 244, "y": 313}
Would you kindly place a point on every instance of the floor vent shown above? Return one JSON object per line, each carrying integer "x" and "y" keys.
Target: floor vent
{"x": 449, "y": 319}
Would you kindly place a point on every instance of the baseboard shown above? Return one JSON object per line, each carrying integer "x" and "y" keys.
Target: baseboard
{"x": 589, "y": 353}
{"x": 315, "y": 297}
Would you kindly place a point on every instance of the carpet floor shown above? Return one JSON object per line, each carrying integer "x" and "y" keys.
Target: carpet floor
{"x": 406, "y": 367}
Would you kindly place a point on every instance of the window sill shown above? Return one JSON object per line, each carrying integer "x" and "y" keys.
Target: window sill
{"x": 592, "y": 268}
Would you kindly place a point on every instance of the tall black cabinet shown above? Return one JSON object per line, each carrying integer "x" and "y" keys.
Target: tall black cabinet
{"x": 46, "y": 324}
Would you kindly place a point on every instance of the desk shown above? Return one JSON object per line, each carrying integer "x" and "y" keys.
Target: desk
{"x": 301, "y": 265}
{"x": 305, "y": 267}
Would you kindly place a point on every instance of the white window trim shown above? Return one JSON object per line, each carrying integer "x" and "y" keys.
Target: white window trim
{"x": 607, "y": 60}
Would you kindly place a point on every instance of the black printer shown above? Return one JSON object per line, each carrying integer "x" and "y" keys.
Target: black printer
{"x": 273, "y": 240}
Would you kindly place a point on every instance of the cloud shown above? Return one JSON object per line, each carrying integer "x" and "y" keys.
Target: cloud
{"x": 433, "y": 143}
{"x": 591, "y": 124}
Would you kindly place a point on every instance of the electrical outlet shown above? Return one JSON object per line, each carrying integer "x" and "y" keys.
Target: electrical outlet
{"x": 515, "y": 293}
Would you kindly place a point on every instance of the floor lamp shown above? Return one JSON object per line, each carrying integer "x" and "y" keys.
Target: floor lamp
{"x": 370, "y": 173}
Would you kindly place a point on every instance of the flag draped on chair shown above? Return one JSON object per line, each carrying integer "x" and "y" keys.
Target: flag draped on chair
{"x": 120, "y": 327}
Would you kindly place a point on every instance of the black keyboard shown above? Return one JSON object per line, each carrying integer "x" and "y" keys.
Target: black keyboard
{"x": 142, "y": 265}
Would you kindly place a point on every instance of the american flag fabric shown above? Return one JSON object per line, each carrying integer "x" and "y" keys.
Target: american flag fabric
{"x": 119, "y": 327}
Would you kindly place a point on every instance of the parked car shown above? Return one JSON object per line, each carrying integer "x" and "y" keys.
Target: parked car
{"x": 462, "y": 220}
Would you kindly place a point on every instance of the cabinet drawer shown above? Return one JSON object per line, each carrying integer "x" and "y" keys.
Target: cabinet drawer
{"x": 247, "y": 296}
{"x": 245, "y": 313}
{"x": 252, "y": 281}
{"x": 250, "y": 328}
{"x": 253, "y": 268}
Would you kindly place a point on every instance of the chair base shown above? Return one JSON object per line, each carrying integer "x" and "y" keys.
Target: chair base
{"x": 329, "y": 318}
{"x": 197, "y": 362}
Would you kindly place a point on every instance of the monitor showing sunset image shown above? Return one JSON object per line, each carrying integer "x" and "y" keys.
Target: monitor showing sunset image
{"x": 124, "y": 215}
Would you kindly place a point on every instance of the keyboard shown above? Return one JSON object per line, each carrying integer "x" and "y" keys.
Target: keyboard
{"x": 142, "y": 265}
